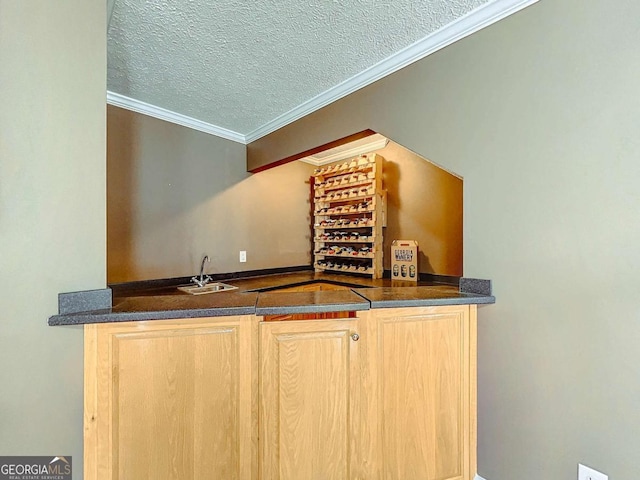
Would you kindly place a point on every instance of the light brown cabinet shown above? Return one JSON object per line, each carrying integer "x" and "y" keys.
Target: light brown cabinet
{"x": 420, "y": 380}
{"x": 171, "y": 400}
{"x": 387, "y": 395}
{"x": 309, "y": 393}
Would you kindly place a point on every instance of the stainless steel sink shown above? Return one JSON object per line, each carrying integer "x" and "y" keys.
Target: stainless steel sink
{"x": 208, "y": 288}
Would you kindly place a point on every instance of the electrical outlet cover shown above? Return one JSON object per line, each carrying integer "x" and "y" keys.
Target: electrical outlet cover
{"x": 586, "y": 473}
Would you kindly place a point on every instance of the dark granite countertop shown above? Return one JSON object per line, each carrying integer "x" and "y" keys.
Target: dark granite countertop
{"x": 386, "y": 297}
{"x": 274, "y": 303}
{"x": 160, "y": 300}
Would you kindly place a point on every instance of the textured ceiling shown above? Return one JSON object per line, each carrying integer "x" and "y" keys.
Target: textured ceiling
{"x": 239, "y": 65}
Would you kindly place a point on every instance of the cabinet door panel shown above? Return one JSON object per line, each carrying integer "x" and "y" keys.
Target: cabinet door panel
{"x": 306, "y": 397}
{"x": 164, "y": 409}
{"x": 424, "y": 394}
{"x": 178, "y": 400}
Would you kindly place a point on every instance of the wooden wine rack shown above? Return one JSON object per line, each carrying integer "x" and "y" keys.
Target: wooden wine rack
{"x": 349, "y": 212}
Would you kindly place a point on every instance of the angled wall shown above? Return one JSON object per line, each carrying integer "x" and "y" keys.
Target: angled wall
{"x": 540, "y": 115}
{"x": 424, "y": 203}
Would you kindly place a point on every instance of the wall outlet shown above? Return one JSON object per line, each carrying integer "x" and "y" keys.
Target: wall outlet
{"x": 586, "y": 473}
{"x": 243, "y": 256}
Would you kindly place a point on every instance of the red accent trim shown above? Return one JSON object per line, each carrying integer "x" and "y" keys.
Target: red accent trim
{"x": 313, "y": 151}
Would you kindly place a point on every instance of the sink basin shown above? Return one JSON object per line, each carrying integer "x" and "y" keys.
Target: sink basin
{"x": 208, "y": 288}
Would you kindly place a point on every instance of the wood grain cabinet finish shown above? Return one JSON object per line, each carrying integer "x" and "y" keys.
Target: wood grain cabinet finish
{"x": 171, "y": 400}
{"x": 387, "y": 395}
{"x": 398, "y": 403}
{"x": 421, "y": 392}
{"x": 309, "y": 393}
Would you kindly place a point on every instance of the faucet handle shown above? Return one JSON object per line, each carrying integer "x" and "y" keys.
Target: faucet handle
{"x": 201, "y": 282}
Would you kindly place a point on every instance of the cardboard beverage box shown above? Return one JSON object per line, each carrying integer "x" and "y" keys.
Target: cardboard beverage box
{"x": 404, "y": 260}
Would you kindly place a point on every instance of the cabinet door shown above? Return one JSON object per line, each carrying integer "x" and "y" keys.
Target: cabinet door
{"x": 423, "y": 370}
{"x": 308, "y": 396}
{"x": 170, "y": 400}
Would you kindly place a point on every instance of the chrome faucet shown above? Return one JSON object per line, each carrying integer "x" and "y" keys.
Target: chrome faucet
{"x": 204, "y": 279}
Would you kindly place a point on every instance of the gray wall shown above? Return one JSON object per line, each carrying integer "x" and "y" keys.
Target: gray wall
{"x": 52, "y": 214}
{"x": 540, "y": 114}
{"x": 175, "y": 194}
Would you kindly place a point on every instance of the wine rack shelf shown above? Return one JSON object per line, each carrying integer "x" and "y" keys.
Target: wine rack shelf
{"x": 349, "y": 207}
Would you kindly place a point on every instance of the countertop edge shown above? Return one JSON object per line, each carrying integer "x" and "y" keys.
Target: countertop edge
{"x": 100, "y": 316}
{"x": 433, "y": 302}
{"x": 93, "y": 317}
{"x": 312, "y": 308}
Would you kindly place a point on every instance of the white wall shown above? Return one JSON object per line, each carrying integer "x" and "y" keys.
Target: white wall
{"x": 52, "y": 213}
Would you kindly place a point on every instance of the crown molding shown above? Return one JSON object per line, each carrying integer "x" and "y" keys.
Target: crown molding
{"x": 475, "y": 20}
{"x": 134, "y": 105}
{"x": 376, "y": 144}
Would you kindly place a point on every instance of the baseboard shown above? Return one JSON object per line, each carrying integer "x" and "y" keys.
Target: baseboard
{"x": 478, "y": 477}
